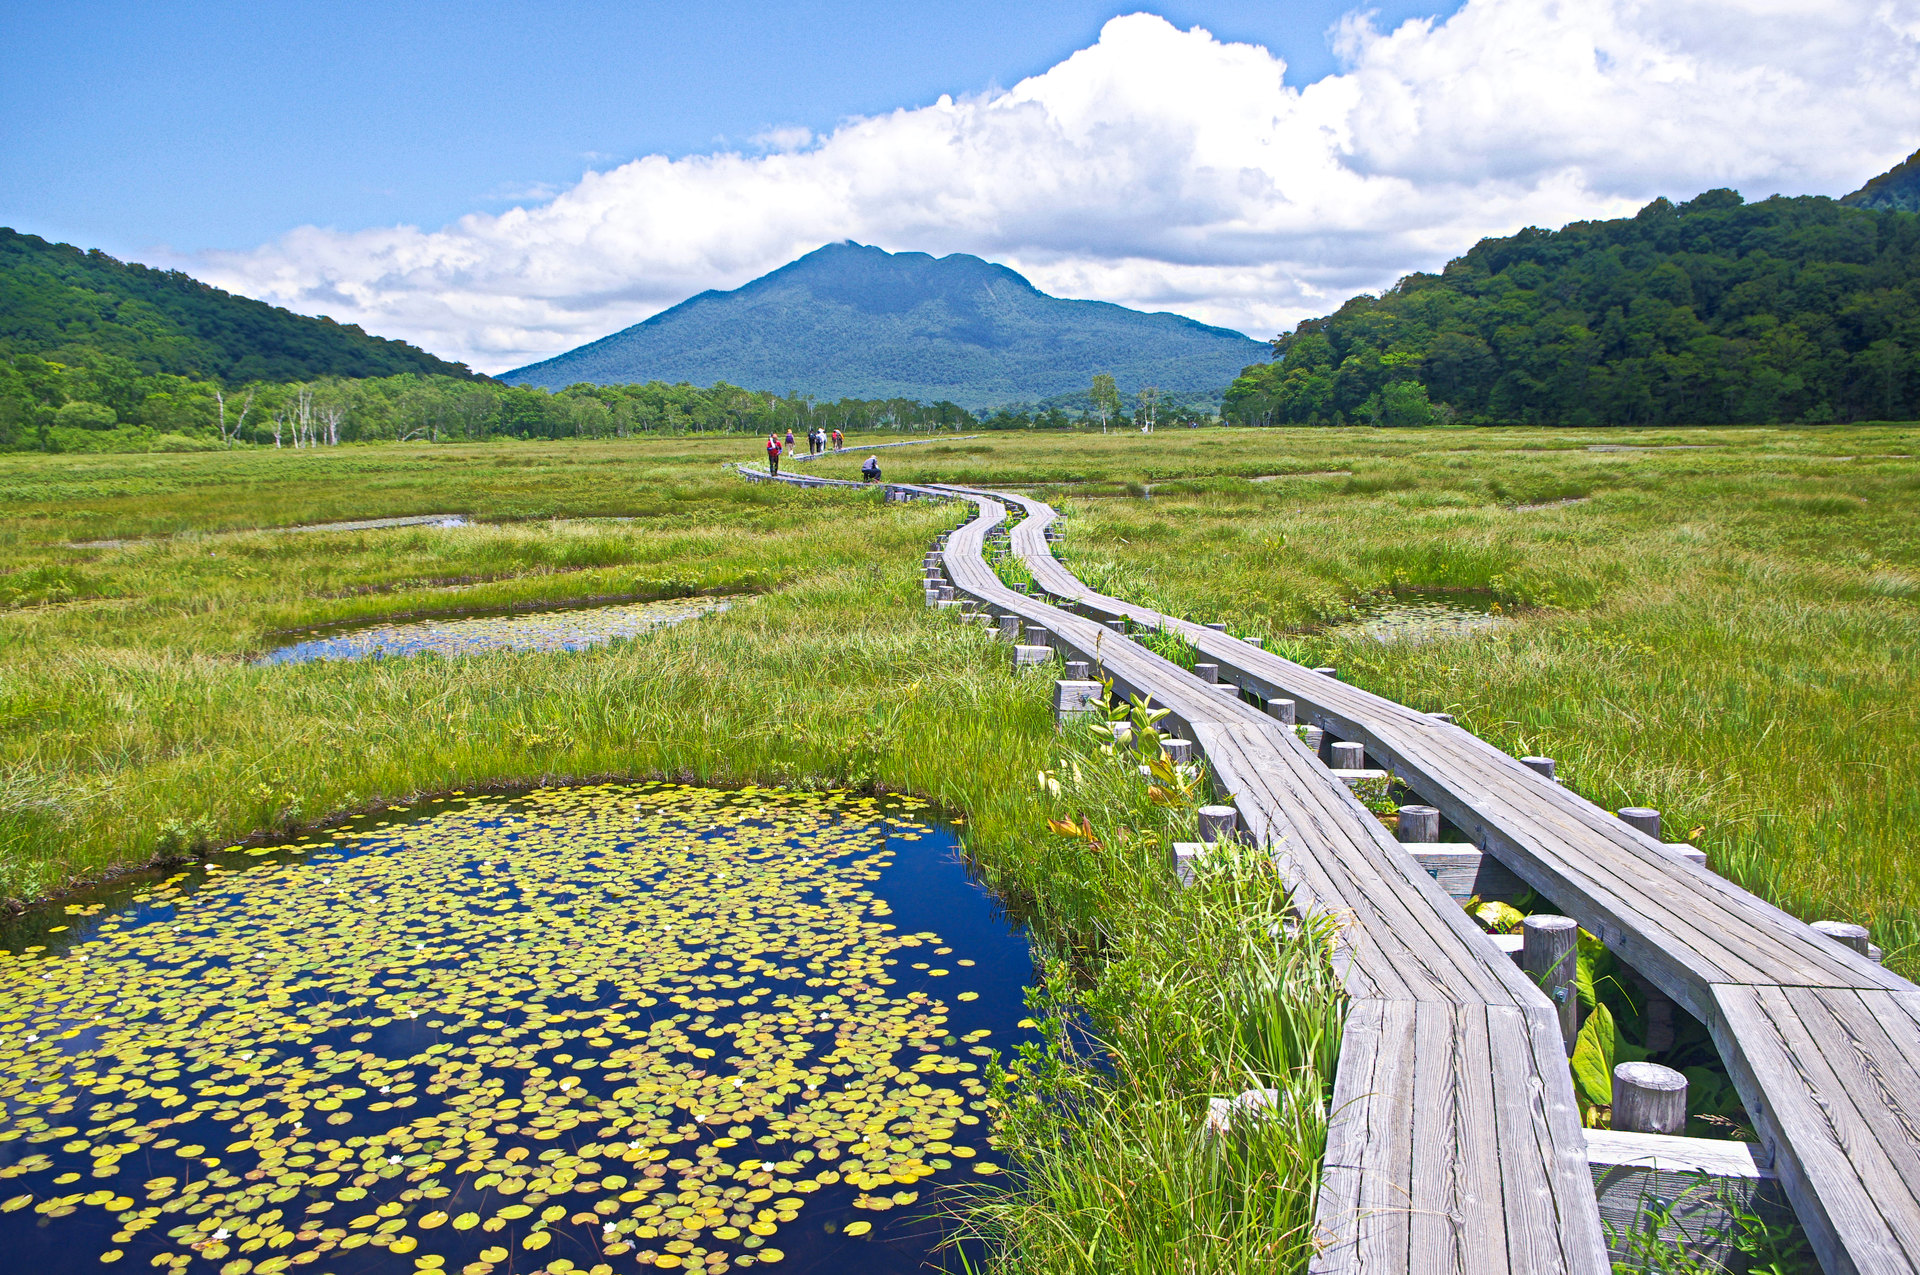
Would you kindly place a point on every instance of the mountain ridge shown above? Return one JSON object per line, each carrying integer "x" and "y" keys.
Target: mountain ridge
{"x": 855, "y": 321}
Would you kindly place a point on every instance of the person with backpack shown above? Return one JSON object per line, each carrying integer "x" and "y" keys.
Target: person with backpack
{"x": 839, "y": 444}
{"x": 773, "y": 456}
{"x": 871, "y": 470}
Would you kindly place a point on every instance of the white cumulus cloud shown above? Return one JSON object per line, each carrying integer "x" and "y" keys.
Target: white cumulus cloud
{"x": 1166, "y": 169}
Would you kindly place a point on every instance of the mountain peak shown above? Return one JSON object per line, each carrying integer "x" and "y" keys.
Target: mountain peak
{"x": 853, "y": 320}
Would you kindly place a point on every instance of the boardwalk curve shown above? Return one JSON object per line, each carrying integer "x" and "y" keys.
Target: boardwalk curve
{"x": 1449, "y": 1148}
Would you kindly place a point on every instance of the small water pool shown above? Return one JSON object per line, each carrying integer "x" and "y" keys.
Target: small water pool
{"x": 571, "y": 629}
{"x": 580, "y": 1030}
{"x": 1423, "y": 615}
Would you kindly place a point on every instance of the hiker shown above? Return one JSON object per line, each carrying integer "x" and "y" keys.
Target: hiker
{"x": 789, "y": 439}
{"x": 773, "y": 456}
{"x": 838, "y": 444}
{"x": 871, "y": 470}
{"x": 819, "y": 441}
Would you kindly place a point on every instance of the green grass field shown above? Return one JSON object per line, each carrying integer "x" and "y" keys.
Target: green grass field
{"x": 134, "y": 726}
{"x": 1722, "y": 624}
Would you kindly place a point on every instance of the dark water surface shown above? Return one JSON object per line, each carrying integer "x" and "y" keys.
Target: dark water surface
{"x": 613, "y": 1028}
{"x": 559, "y": 629}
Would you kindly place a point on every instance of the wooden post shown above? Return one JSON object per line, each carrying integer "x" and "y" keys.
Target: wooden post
{"x": 1010, "y": 627}
{"x": 1218, "y": 628}
{"x": 1217, "y": 823}
{"x": 1118, "y": 626}
{"x": 1207, "y": 672}
{"x": 1038, "y": 635}
{"x": 1178, "y": 750}
{"x": 1077, "y": 670}
{"x": 1281, "y": 710}
{"x": 1548, "y": 957}
{"x": 1539, "y": 765}
{"x": 1186, "y": 860}
{"x": 1349, "y": 756}
{"x": 1642, "y": 818}
{"x": 1649, "y": 1098}
{"x": 1328, "y": 670}
{"x": 1023, "y": 655}
{"x": 1074, "y": 700}
{"x": 1846, "y": 934}
{"x": 1442, "y": 717}
{"x": 1419, "y": 825}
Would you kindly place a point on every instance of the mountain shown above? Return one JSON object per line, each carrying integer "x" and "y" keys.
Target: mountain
{"x": 1898, "y": 188}
{"x": 1715, "y": 311}
{"x": 59, "y": 302}
{"x": 849, "y": 321}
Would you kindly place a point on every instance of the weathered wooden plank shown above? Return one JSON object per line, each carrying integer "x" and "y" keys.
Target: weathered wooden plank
{"x": 1446, "y": 956}
{"x": 1821, "y": 1147}
{"x": 1872, "y": 1051}
{"x": 1454, "y": 1170}
{"x": 1375, "y": 1223}
{"x": 1337, "y": 1207}
{"x": 1541, "y": 1147}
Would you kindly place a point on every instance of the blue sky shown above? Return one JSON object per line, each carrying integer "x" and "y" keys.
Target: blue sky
{"x": 202, "y": 125}
{"x": 499, "y": 184}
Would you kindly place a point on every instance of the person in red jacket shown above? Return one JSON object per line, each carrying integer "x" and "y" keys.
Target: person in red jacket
{"x": 838, "y": 443}
{"x": 773, "y": 456}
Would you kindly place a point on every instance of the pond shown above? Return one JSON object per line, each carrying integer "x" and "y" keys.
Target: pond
{"x": 1423, "y": 615}
{"x": 577, "y": 1030}
{"x": 569, "y": 629}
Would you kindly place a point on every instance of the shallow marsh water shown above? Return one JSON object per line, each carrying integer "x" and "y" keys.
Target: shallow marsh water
{"x": 568, "y": 629}
{"x": 1423, "y": 615}
{"x": 590, "y": 1029}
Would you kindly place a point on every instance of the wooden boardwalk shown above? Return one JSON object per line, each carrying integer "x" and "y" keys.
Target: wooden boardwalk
{"x": 1454, "y": 1145}
{"x": 1822, "y": 1044}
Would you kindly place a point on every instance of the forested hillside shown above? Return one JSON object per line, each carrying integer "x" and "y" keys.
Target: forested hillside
{"x": 67, "y": 305}
{"x": 1715, "y": 311}
{"x": 1897, "y": 188}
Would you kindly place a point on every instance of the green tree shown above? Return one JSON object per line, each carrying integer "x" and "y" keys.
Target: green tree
{"x": 1106, "y": 398}
{"x": 1404, "y": 405}
{"x": 85, "y": 416}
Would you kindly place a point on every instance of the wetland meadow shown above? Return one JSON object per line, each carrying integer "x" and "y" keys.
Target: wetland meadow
{"x": 793, "y": 932}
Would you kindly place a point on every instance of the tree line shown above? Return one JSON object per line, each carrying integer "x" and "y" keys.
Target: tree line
{"x": 104, "y": 402}
{"x": 1710, "y": 312}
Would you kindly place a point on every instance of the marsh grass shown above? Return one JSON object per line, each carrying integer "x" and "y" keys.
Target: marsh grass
{"x": 1187, "y": 995}
{"x": 133, "y": 727}
{"x": 1724, "y": 627}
